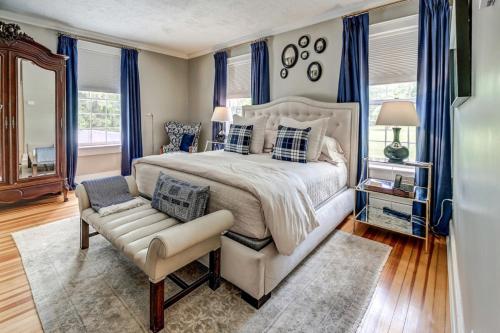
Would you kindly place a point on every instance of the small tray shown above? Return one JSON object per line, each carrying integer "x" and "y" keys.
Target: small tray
{"x": 386, "y": 187}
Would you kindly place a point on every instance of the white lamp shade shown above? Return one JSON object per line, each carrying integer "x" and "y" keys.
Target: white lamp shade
{"x": 222, "y": 114}
{"x": 397, "y": 113}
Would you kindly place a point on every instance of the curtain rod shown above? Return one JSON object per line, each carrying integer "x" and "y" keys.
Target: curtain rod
{"x": 373, "y": 8}
{"x": 228, "y": 49}
{"x": 99, "y": 41}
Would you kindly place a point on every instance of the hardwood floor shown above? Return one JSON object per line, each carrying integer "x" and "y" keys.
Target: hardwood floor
{"x": 411, "y": 296}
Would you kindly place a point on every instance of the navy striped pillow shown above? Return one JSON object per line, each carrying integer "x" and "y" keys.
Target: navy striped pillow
{"x": 291, "y": 144}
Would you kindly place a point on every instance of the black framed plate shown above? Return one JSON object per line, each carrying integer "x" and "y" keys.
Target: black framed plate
{"x": 304, "y": 41}
{"x": 320, "y": 45}
{"x": 283, "y": 73}
{"x": 314, "y": 71}
{"x": 289, "y": 56}
{"x": 304, "y": 55}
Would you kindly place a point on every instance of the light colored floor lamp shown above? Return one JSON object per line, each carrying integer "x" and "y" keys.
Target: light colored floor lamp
{"x": 152, "y": 132}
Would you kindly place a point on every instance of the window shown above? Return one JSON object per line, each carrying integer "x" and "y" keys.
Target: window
{"x": 98, "y": 95}
{"x": 393, "y": 74}
{"x": 98, "y": 118}
{"x": 238, "y": 83}
{"x": 381, "y": 136}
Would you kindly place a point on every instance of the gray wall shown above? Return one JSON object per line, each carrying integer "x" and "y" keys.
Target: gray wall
{"x": 164, "y": 93}
{"x": 201, "y": 89}
{"x": 297, "y": 82}
{"x": 201, "y": 71}
{"x": 476, "y": 179}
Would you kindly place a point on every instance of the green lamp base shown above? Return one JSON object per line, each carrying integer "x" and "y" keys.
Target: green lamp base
{"x": 396, "y": 152}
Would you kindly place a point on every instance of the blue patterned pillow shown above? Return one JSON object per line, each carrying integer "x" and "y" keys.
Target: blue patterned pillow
{"x": 239, "y": 139}
{"x": 291, "y": 144}
{"x": 179, "y": 199}
{"x": 175, "y": 131}
{"x": 186, "y": 142}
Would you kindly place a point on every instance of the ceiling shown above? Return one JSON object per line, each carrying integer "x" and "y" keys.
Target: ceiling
{"x": 185, "y": 28}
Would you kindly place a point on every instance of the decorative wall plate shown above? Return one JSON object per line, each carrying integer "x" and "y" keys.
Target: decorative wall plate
{"x": 314, "y": 71}
{"x": 304, "y": 41}
{"x": 304, "y": 55}
{"x": 289, "y": 56}
{"x": 284, "y": 73}
{"x": 320, "y": 45}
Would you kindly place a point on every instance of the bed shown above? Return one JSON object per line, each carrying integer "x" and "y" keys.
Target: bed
{"x": 328, "y": 190}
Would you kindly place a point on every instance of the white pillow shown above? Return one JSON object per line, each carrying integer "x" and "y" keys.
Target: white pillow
{"x": 331, "y": 151}
{"x": 316, "y": 135}
{"x": 258, "y": 132}
{"x": 270, "y": 139}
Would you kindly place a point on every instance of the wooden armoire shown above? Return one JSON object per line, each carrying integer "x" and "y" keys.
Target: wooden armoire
{"x": 32, "y": 118}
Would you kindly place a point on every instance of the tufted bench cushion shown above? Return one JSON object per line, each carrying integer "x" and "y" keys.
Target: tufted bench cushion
{"x": 130, "y": 231}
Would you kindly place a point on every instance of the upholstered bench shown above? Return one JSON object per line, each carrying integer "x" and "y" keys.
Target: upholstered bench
{"x": 158, "y": 244}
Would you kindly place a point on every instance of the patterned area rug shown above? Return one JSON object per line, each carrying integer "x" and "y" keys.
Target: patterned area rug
{"x": 99, "y": 290}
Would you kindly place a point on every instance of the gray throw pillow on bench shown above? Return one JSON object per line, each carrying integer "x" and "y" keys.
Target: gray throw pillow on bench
{"x": 180, "y": 199}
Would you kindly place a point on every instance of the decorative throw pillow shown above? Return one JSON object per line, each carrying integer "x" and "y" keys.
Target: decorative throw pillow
{"x": 186, "y": 142}
{"x": 180, "y": 199}
{"x": 175, "y": 130}
{"x": 318, "y": 131}
{"x": 331, "y": 151}
{"x": 270, "y": 139}
{"x": 239, "y": 139}
{"x": 258, "y": 133}
{"x": 291, "y": 144}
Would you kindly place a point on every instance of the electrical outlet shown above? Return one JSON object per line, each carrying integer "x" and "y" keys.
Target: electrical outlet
{"x": 486, "y": 3}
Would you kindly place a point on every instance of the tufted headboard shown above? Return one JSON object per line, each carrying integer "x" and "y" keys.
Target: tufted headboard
{"x": 343, "y": 125}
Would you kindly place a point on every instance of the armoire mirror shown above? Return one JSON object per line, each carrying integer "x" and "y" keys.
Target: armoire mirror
{"x": 36, "y": 116}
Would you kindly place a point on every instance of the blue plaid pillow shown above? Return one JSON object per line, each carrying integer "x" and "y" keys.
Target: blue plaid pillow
{"x": 239, "y": 139}
{"x": 291, "y": 144}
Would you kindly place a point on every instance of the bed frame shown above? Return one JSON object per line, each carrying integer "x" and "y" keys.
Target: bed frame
{"x": 257, "y": 273}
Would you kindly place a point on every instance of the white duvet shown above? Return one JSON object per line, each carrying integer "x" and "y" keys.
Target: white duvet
{"x": 288, "y": 210}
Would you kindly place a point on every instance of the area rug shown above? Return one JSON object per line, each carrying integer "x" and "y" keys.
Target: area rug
{"x": 99, "y": 290}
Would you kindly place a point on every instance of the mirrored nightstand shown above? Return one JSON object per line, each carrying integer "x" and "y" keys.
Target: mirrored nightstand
{"x": 392, "y": 207}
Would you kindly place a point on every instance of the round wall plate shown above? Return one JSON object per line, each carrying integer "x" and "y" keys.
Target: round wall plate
{"x": 320, "y": 45}
{"x": 304, "y": 55}
{"x": 304, "y": 41}
{"x": 314, "y": 71}
{"x": 289, "y": 56}
{"x": 284, "y": 73}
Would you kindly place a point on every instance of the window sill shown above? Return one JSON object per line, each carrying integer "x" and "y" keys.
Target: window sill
{"x": 384, "y": 171}
{"x": 99, "y": 150}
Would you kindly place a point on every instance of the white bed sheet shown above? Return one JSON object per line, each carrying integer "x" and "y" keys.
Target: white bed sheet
{"x": 322, "y": 179}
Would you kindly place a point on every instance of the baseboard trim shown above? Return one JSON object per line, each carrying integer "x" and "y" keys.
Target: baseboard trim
{"x": 81, "y": 178}
{"x": 456, "y": 309}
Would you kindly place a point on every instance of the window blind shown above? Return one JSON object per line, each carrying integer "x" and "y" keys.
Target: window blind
{"x": 393, "y": 51}
{"x": 238, "y": 77}
{"x": 98, "y": 67}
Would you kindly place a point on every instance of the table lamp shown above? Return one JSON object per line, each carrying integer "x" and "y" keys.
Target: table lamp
{"x": 223, "y": 115}
{"x": 397, "y": 113}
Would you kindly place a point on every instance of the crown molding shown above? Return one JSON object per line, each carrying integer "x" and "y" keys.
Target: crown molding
{"x": 336, "y": 12}
{"x": 61, "y": 27}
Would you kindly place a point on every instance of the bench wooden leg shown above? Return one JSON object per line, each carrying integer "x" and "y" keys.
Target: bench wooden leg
{"x": 256, "y": 303}
{"x": 84, "y": 234}
{"x": 156, "y": 305}
{"x": 214, "y": 269}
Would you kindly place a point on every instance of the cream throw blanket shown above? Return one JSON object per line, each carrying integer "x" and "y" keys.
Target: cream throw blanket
{"x": 288, "y": 211}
